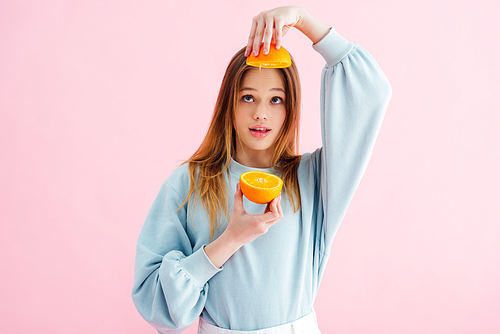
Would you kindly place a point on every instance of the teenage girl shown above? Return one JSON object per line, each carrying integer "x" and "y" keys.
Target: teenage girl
{"x": 243, "y": 267}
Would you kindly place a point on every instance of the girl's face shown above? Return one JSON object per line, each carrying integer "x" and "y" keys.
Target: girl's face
{"x": 259, "y": 116}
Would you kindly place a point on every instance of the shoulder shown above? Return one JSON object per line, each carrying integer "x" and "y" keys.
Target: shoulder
{"x": 180, "y": 172}
{"x": 179, "y": 180}
{"x": 311, "y": 160}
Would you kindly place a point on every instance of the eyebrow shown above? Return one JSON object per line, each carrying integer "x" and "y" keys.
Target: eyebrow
{"x": 272, "y": 89}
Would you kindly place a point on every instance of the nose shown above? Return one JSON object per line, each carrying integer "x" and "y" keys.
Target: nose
{"x": 261, "y": 112}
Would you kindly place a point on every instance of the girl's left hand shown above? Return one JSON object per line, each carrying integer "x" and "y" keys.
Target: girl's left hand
{"x": 272, "y": 25}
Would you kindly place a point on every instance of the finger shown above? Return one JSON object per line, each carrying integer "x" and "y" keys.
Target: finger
{"x": 274, "y": 204}
{"x": 238, "y": 198}
{"x": 268, "y": 206}
{"x": 259, "y": 31}
{"x": 251, "y": 37}
{"x": 268, "y": 209}
{"x": 278, "y": 28}
{"x": 269, "y": 218}
{"x": 273, "y": 213}
{"x": 280, "y": 209}
{"x": 268, "y": 32}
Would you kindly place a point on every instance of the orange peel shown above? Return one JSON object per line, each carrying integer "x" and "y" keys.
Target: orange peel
{"x": 260, "y": 187}
{"x": 274, "y": 59}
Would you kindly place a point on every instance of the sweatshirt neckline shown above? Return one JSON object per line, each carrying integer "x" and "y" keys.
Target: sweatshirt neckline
{"x": 237, "y": 169}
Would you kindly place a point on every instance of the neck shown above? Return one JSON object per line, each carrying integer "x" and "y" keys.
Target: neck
{"x": 260, "y": 159}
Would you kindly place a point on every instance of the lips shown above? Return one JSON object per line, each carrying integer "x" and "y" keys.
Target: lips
{"x": 260, "y": 131}
{"x": 260, "y": 127}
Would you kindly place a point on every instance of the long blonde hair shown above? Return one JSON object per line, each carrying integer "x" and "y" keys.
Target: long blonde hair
{"x": 209, "y": 163}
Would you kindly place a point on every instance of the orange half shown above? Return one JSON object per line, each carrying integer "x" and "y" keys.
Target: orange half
{"x": 274, "y": 59}
{"x": 260, "y": 187}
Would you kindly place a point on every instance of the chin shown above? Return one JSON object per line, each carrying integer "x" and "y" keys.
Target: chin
{"x": 261, "y": 146}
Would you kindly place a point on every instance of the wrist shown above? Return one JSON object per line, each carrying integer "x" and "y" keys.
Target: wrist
{"x": 221, "y": 249}
{"x": 314, "y": 29}
{"x": 302, "y": 18}
{"x": 229, "y": 241}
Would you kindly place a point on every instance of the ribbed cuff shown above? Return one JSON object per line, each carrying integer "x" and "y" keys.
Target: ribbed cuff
{"x": 199, "y": 267}
{"x": 333, "y": 47}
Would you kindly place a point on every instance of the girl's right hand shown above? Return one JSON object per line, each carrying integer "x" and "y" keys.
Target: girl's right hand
{"x": 244, "y": 227}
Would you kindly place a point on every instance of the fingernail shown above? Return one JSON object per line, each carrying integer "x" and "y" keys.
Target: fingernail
{"x": 266, "y": 51}
{"x": 255, "y": 53}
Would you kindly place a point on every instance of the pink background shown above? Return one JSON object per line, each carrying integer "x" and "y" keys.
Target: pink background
{"x": 101, "y": 100}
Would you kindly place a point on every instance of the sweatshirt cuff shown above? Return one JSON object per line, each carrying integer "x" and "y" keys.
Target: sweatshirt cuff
{"x": 199, "y": 267}
{"x": 333, "y": 47}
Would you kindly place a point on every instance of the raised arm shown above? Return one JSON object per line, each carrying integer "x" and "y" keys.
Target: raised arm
{"x": 355, "y": 95}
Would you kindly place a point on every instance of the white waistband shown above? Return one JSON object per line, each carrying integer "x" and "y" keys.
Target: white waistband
{"x": 304, "y": 325}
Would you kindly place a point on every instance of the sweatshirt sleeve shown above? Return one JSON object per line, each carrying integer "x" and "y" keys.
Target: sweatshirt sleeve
{"x": 171, "y": 279}
{"x": 355, "y": 94}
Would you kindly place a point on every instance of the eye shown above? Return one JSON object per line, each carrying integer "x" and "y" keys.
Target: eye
{"x": 247, "y": 98}
{"x": 276, "y": 100}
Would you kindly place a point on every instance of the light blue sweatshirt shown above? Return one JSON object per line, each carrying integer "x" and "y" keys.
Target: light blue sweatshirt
{"x": 274, "y": 279}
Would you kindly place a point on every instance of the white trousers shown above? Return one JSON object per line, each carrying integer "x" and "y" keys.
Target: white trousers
{"x": 304, "y": 325}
